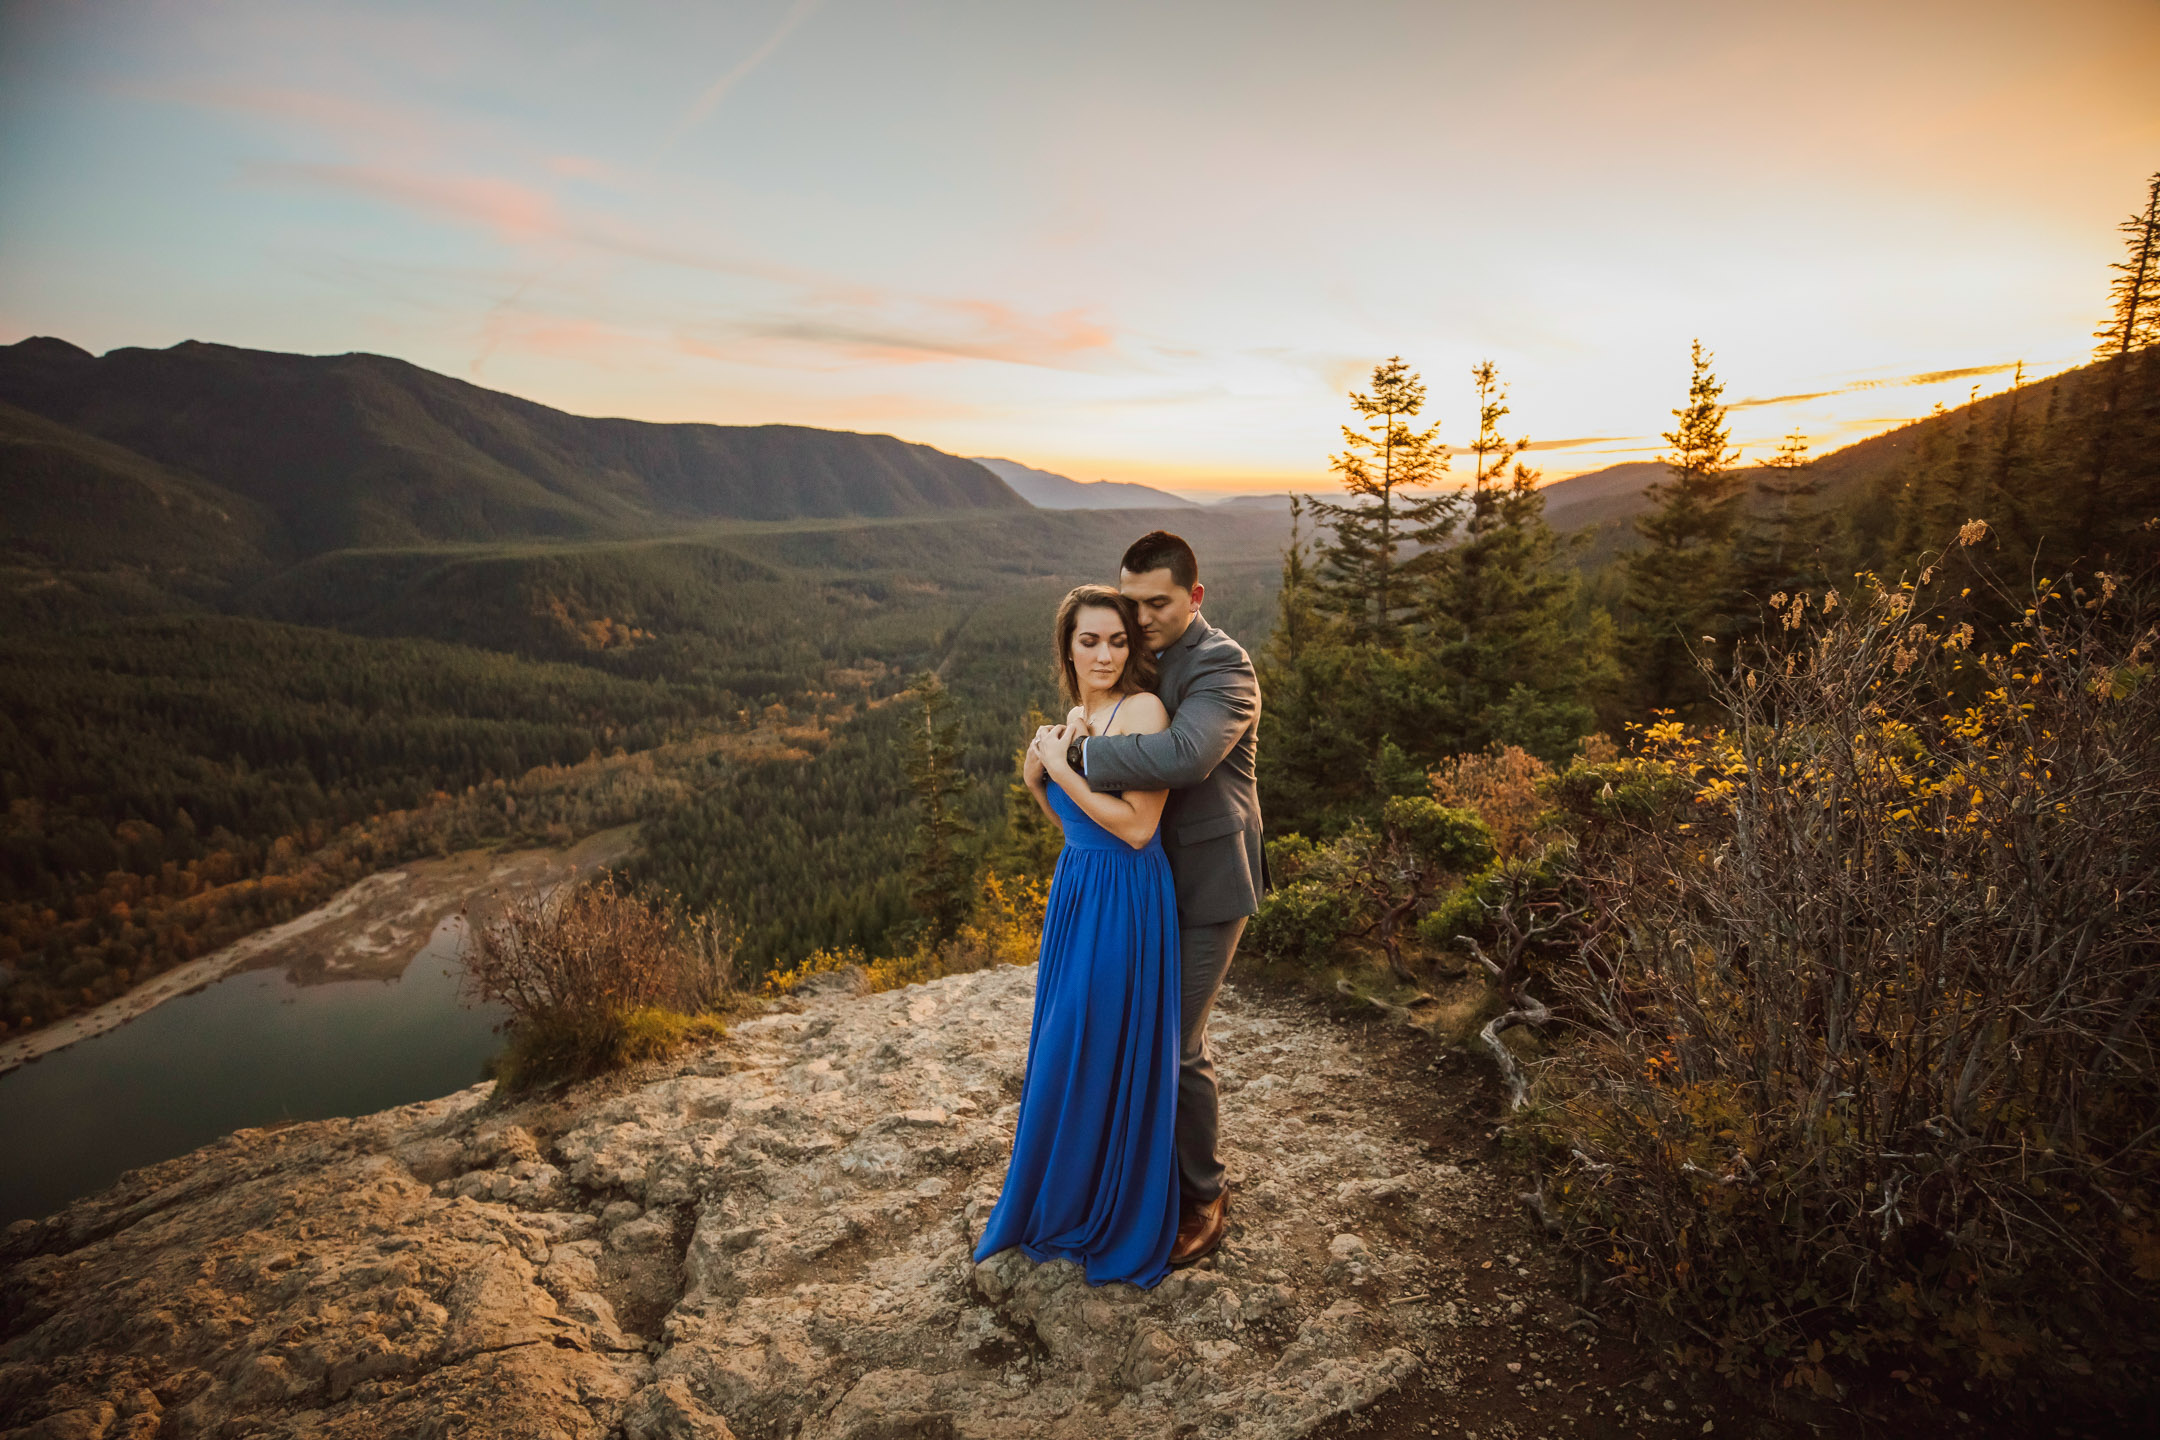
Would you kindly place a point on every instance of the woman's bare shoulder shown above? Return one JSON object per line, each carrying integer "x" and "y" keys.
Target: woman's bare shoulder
{"x": 1142, "y": 713}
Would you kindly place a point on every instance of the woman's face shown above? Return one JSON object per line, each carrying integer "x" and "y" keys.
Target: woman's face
{"x": 1098, "y": 647}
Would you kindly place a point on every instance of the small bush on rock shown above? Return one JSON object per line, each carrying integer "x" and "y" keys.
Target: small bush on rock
{"x": 564, "y": 1046}
{"x": 595, "y": 978}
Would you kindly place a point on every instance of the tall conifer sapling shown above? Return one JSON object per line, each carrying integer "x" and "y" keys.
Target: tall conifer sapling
{"x": 1679, "y": 583}
{"x": 941, "y": 869}
{"x": 1383, "y": 462}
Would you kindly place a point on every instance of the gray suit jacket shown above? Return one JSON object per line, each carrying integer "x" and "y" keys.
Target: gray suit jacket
{"x": 1211, "y": 822}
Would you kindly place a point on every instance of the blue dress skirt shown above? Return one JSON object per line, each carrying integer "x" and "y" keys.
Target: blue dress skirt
{"x": 1093, "y": 1177}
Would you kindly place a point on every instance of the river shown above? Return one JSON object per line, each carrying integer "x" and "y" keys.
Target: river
{"x": 349, "y": 1009}
{"x": 251, "y": 1049}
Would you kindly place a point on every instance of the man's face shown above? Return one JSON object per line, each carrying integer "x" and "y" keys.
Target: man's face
{"x": 1166, "y": 607}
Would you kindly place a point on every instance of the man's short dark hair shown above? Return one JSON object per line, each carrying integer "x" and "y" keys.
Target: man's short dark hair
{"x": 1161, "y": 550}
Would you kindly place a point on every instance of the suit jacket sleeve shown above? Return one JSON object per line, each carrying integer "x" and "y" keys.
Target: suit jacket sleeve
{"x": 1219, "y": 704}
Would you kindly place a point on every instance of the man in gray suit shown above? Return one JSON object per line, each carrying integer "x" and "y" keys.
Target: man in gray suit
{"x": 1210, "y": 829}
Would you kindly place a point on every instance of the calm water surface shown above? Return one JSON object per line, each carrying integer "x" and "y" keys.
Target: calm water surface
{"x": 249, "y": 1050}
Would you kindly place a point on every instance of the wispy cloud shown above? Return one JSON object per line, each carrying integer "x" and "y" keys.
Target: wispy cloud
{"x": 860, "y": 322}
{"x": 391, "y": 153}
{"x": 1578, "y": 443}
{"x": 325, "y": 110}
{"x": 579, "y": 167}
{"x": 512, "y": 211}
{"x": 1924, "y": 377}
{"x": 516, "y": 212}
{"x": 711, "y": 96}
{"x": 923, "y": 332}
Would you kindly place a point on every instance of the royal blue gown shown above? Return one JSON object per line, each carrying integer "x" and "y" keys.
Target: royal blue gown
{"x": 1093, "y": 1177}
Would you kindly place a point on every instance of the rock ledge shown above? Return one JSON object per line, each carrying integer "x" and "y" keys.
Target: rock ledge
{"x": 768, "y": 1239}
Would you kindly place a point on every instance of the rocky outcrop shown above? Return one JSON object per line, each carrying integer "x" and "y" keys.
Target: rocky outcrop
{"x": 768, "y": 1239}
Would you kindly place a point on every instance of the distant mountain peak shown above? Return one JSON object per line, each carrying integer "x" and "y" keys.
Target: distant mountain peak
{"x": 1047, "y": 490}
{"x": 52, "y": 350}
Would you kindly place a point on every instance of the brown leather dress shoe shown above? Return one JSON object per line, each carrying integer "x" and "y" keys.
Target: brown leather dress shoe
{"x": 1200, "y": 1229}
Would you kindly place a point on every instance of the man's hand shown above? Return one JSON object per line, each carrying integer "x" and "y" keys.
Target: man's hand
{"x": 1076, "y": 722}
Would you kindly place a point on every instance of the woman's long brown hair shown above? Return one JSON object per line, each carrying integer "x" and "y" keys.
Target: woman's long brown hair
{"x": 1139, "y": 671}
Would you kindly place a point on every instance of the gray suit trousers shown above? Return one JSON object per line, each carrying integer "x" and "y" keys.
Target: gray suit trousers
{"x": 1204, "y": 953}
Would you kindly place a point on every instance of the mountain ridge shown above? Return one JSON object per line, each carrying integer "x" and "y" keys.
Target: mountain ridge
{"x": 359, "y": 449}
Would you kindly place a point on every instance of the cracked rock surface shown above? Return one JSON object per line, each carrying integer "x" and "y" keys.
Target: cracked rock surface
{"x": 768, "y": 1238}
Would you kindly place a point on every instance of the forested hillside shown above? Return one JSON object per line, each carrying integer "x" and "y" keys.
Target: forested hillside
{"x": 1856, "y": 488}
{"x": 185, "y": 763}
{"x": 70, "y": 499}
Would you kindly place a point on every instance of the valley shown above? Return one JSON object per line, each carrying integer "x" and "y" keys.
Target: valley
{"x": 228, "y": 699}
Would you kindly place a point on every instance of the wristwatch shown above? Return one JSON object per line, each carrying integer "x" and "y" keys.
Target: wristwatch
{"x": 1076, "y": 756}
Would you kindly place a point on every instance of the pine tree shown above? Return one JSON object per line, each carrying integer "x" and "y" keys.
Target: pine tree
{"x": 1298, "y": 622}
{"x": 1679, "y": 583}
{"x": 1362, "y": 579}
{"x": 2008, "y": 502}
{"x": 1781, "y": 548}
{"x": 1315, "y": 728}
{"x": 1963, "y": 496}
{"x": 1028, "y": 846}
{"x": 941, "y": 872}
{"x": 2128, "y": 401}
{"x": 1918, "y": 506}
{"x": 1498, "y": 606}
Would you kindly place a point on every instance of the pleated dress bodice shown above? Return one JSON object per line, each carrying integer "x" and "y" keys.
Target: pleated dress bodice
{"x": 1083, "y": 832}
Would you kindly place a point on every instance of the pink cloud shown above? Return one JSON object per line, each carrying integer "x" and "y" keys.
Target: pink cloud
{"x": 514, "y": 212}
{"x": 579, "y": 167}
{"x": 560, "y": 337}
{"x": 340, "y": 114}
{"x": 861, "y": 322}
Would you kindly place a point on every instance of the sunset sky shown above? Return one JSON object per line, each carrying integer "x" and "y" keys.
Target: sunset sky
{"x": 1150, "y": 242}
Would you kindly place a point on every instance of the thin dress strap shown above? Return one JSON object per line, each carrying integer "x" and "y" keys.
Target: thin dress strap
{"x": 1112, "y": 720}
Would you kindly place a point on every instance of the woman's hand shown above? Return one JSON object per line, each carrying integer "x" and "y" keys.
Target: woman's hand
{"x": 1050, "y": 743}
{"x": 1031, "y": 764}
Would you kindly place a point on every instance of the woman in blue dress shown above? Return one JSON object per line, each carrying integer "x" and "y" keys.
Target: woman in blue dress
{"x": 1093, "y": 1177}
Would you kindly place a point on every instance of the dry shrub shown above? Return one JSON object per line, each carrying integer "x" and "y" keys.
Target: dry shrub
{"x": 1866, "y": 1066}
{"x": 709, "y": 977}
{"x": 1005, "y": 929}
{"x": 595, "y": 978}
{"x": 1500, "y": 785}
